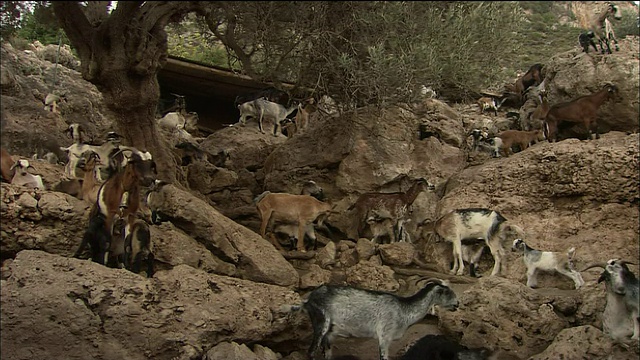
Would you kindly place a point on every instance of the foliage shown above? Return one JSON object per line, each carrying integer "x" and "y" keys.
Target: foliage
{"x": 11, "y": 16}
{"x": 372, "y": 52}
{"x": 41, "y": 24}
{"x": 628, "y": 25}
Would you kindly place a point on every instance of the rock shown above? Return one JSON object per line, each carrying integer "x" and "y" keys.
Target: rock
{"x": 254, "y": 257}
{"x": 230, "y": 351}
{"x": 367, "y": 275}
{"x": 583, "y": 342}
{"x": 399, "y": 253}
{"x": 500, "y": 314}
{"x": 206, "y": 178}
{"x": 80, "y": 307}
{"x": 365, "y": 249}
{"x": 315, "y": 277}
{"x": 327, "y": 255}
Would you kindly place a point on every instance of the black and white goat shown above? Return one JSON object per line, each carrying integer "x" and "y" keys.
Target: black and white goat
{"x": 476, "y": 223}
{"x": 586, "y": 39}
{"x": 536, "y": 260}
{"x": 350, "y": 312}
{"x": 620, "y": 317}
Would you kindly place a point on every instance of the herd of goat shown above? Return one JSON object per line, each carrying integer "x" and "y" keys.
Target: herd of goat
{"x": 118, "y": 232}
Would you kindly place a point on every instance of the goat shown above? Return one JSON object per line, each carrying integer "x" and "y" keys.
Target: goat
{"x": 536, "y": 260}
{"x": 489, "y": 103}
{"x": 154, "y": 200}
{"x": 23, "y": 177}
{"x": 439, "y": 347}
{"x": 350, "y": 312}
{"x": 192, "y": 152}
{"x": 381, "y": 225}
{"x": 395, "y": 204}
{"x": 104, "y": 151}
{"x": 582, "y": 110}
{"x": 602, "y": 28}
{"x": 540, "y": 113}
{"x": 620, "y": 317}
{"x": 301, "y": 209}
{"x": 139, "y": 168}
{"x": 477, "y": 136}
{"x": 90, "y": 183}
{"x": 137, "y": 245}
{"x": 289, "y": 127}
{"x": 471, "y": 253}
{"x": 311, "y": 188}
{"x": 6, "y": 165}
{"x": 533, "y": 77}
{"x": 177, "y": 120}
{"x": 76, "y": 131}
{"x": 51, "y": 102}
{"x": 585, "y": 39}
{"x": 275, "y": 111}
{"x": 476, "y": 223}
{"x": 272, "y": 94}
{"x": 520, "y": 138}
{"x": 305, "y": 109}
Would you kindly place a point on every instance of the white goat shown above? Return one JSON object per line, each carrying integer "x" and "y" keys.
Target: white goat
{"x": 274, "y": 111}
{"x": 177, "y": 120}
{"x": 476, "y": 223}
{"x": 620, "y": 317}
{"x": 536, "y": 260}
{"x": 350, "y": 312}
{"x": 23, "y": 177}
{"x": 75, "y": 151}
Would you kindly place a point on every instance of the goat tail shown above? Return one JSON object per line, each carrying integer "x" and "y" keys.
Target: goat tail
{"x": 261, "y": 196}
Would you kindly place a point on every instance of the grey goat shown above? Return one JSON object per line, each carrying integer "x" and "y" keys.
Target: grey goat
{"x": 349, "y": 312}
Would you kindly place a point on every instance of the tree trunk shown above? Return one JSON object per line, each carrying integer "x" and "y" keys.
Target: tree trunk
{"x": 133, "y": 100}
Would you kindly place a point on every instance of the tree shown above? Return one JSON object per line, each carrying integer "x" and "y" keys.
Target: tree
{"x": 121, "y": 53}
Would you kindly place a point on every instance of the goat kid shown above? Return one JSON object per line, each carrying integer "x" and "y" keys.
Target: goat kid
{"x": 476, "y": 223}
{"x": 536, "y": 260}
{"x": 585, "y": 39}
{"x": 489, "y": 103}
{"x": 350, "y": 312}
{"x": 304, "y": 210}
{"x": 23, "y": 177}
{"x": 90, "y": 184}
{"x": 583, "y": 110}
{"x": 620, "y": 317}
{"x": 395, "y": 204}
{"x": 520, "y": 138}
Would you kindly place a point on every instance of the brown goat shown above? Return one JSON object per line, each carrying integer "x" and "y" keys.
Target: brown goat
{"x": 583, "y": 110}
{"x": 601, "y": 27}
{"x": 6, "y": 165}
{"x": 540, "y": 113}
{"x": 488, "y": 103}
{"x": 395, "y": 204}
{"x": 301, "y": 209}
{"x": 521, "y": 138}
{"x": 533, "y": 77}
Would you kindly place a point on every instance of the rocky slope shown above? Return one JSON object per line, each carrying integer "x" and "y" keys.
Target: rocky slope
{"x": 220, "y": 287}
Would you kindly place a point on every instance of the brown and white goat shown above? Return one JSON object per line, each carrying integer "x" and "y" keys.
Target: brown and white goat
{"x": 303, "y": 210}
{"x": 395, "y": 204}
{"x": 6, "y": 165}
{"x": 476, "y": 223}
{"x": 601, "y": 27}
{"x": 305, "y": 109}
{"x": 520, "y": 138}
{"x": 583, "y": 110}
{"x": 138, "y": 169}
{"x": 488, "y": 103}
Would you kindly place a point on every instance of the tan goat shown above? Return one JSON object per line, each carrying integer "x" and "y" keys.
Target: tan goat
{"x": 301, "y": 209}
{"x": 305, "y": 109}
{"x": 517, "y": 137}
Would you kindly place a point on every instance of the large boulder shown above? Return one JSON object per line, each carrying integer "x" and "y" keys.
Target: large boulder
{"x": 254, "y": 257}
{"x": 58, "y": 307}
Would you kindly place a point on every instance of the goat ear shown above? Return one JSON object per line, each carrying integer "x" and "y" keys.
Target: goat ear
{"x": 13, "y": 166}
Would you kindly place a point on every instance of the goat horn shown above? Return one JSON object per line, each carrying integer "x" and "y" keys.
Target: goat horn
{"x": 592, "y": 265}
{"x": 627, "y": 262}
